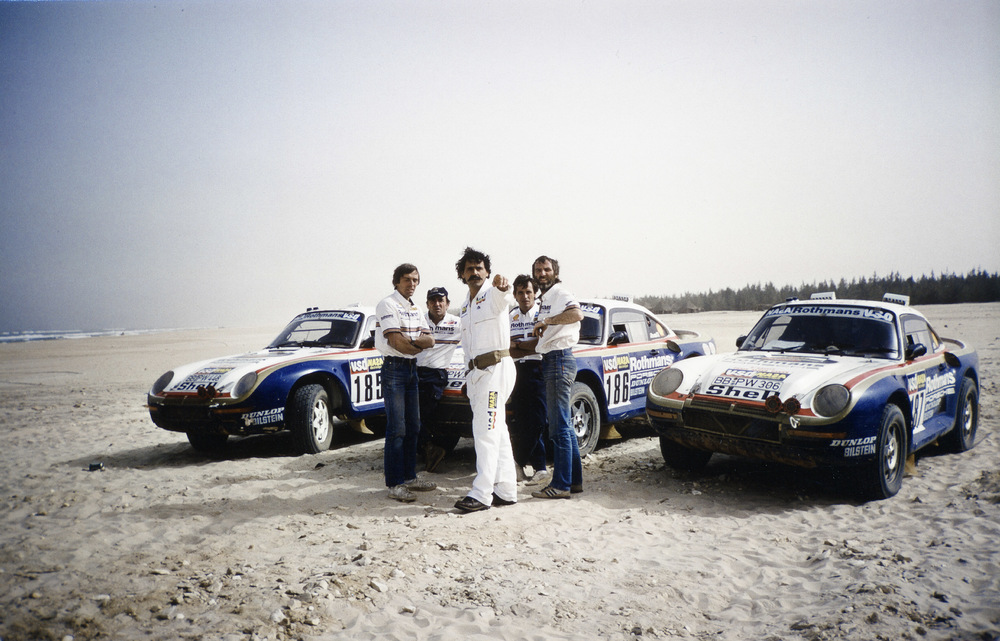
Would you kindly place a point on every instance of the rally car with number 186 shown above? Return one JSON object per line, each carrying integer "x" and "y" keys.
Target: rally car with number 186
{"x": 622, "y": 346}
{"x": 322, "y": 365}
{"x": 849, "y": 384}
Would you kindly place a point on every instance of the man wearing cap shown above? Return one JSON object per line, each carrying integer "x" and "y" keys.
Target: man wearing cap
{"x": 432, "y": 372}
{"x": 486, "y": 344}
{"x": 558, "y": 330}
{"x": 402, "y": 333}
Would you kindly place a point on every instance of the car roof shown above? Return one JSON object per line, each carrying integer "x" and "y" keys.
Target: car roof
{"x": 614, "y": 302}
{"x": 832, "y": 302}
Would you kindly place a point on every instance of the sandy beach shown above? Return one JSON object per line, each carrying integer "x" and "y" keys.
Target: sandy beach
{"x": 164, "y": 543}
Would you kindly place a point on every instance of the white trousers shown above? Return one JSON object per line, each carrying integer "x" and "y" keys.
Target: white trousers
{"x": 488, "y": 392}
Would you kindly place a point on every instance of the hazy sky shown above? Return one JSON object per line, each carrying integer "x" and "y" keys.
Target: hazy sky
{"x": 168, "y": 164}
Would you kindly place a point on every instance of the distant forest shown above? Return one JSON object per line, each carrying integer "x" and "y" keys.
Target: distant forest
{"x": 974, "y": 287}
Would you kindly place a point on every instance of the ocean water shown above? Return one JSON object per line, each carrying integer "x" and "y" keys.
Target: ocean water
{"x": 50, "y": 335}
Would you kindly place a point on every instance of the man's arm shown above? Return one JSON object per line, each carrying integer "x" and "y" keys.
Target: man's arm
{"x": 519, "y": 348}
{"x": 404, "y": 345}
{"x": 566, "y": 317}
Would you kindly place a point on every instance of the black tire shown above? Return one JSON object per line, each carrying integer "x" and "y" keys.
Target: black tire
{"x": 309, "y": 419}
{"x": 963, "y": 436}
{"x": 683, "y": 458}
{"x": 207, "y": 442}
{"x": 883, "y": 477}
{"x": 585, "y": 417}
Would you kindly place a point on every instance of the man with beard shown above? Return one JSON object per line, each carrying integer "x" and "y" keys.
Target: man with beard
{"x": 486, "y": 342}
{"x": 402, "y": 334}
{"x": 558, "y": 330}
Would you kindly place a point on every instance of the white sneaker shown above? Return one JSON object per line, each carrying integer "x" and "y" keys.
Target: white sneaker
{"x": 401, "y": 493}
{"x": 541, "y": 477}
{"x": 416, "y": 485}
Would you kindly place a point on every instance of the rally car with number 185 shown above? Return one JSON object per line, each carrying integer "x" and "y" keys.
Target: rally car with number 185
{"x": 322, "y": 365}
{"x": 850, "y": 384}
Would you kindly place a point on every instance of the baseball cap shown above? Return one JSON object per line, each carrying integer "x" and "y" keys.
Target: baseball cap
{"x": 435, "y": 292}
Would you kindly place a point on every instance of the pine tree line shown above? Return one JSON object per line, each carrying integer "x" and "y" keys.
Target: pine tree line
{"x": 977, "y": 286}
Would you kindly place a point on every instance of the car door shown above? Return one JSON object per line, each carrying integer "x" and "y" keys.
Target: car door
{"x": 932, "y": 386}
{"x": 627, "y": 370}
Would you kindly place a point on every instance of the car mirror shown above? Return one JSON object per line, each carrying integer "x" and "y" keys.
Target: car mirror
{"x": 915, "y": 351}
{"x": 740, "y": 341}
{"x": 617, "y": 338}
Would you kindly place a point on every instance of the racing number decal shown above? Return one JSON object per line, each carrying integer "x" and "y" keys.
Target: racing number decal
{"x": 616, "y": 386}
{"x": 366, "y": 388}
{"x": 919, "y": 402}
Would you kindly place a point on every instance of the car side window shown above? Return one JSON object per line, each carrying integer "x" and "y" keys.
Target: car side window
{"x": 632, "y": 323}
{"x": 918, "y": 332}
{"x": 368, "y": 336}
{"x": 655, "y": 328}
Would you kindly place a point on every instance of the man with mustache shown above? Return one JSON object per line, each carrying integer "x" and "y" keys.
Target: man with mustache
{"x": 557, "y": 327}
{"x": 486, "y": 343}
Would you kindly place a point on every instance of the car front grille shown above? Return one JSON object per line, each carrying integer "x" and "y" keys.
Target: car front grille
{"x": 732, "y": 425}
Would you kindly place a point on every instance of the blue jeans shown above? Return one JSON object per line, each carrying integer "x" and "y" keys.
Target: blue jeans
{"x": 559, "y": 369}
{"x": 402, "y": 416}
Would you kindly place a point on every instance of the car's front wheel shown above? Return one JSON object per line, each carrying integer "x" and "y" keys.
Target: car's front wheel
{"x": 585, "y": 416}
{"x": 963, "y": 436}
{"x": 309, "y": 418}
{"x": 683, "y": 458}
{"x": 883, "y": 477}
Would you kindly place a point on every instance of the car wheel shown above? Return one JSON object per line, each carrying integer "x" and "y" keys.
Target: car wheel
{"x": 207, "y": 442}
{"x": 585, "y": 417}
{"x": 883, "y": 477}
{"x": 309, "y": 418}
{"x": 683, "y": 458}
{"x": 963, "y": 436}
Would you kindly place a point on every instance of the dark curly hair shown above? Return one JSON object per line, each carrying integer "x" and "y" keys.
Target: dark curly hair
{"x": 472, "y": 256}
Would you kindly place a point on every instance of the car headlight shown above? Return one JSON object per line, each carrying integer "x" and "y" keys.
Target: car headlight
{"x": 245, "y": 384}
{"x": 831, "y": 400}
{"x": 161, "y": 383}
{"x": 667, "y": 381}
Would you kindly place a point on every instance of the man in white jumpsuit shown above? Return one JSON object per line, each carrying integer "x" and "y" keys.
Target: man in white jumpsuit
{"x": 486, "y": 343}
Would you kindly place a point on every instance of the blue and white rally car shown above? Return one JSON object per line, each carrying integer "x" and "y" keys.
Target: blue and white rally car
{"x": 622, "y": 346}
{"x": 823, "y": 382}
{"x": 323, "y": 364}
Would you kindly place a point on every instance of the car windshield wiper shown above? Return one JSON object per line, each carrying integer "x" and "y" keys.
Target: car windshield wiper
{"x": 287, "y": 344}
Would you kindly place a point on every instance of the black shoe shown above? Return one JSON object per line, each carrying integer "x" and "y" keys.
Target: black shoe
{"x": 499, "y": 502}
{"x": 576, "y": 489}
{"x": 469, "y": 504}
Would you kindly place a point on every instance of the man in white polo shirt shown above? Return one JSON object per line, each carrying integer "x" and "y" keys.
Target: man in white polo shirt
{"x": 528, "y": 429}
{"x": 486, "y": 344}
{"x": 402, "y": 334}
{"x": 558, "y": 329}
{"x": 432, "y": 371}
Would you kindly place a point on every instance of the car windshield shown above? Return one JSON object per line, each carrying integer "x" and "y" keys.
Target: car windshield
{"x": 826, "y": 329}
{"x": 325, "y": 331}
{"x": 592, "y": 325}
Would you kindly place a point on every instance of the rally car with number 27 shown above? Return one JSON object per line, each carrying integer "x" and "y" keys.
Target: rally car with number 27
{"x": 849, "y": 384}
{"x": 322, "y": 365}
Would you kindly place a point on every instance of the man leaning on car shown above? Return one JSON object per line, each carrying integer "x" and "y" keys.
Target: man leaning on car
{"x": 403, "y": 333}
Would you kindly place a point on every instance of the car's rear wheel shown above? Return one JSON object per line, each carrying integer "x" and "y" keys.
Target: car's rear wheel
{"x": 883, "y": 477}
{"x": 683, "y": 458}
{"x": 207, "y": 442}
{"x": 585, "y": 417}
{"x": 309, "y": 418}
{"x": 963, "y": 436}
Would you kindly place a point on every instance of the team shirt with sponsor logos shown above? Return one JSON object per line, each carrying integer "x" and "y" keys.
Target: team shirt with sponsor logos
{"x": 485, "y": 321}
{"x": 447, "y": 335}
{"x": 397, "y": 314}
{"x": 521, "y": 326}
{"x": 557, "y": 337}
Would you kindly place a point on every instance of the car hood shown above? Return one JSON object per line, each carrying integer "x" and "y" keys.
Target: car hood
{"x": 223, "y": 373}
{"x": 753, "y": 376}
